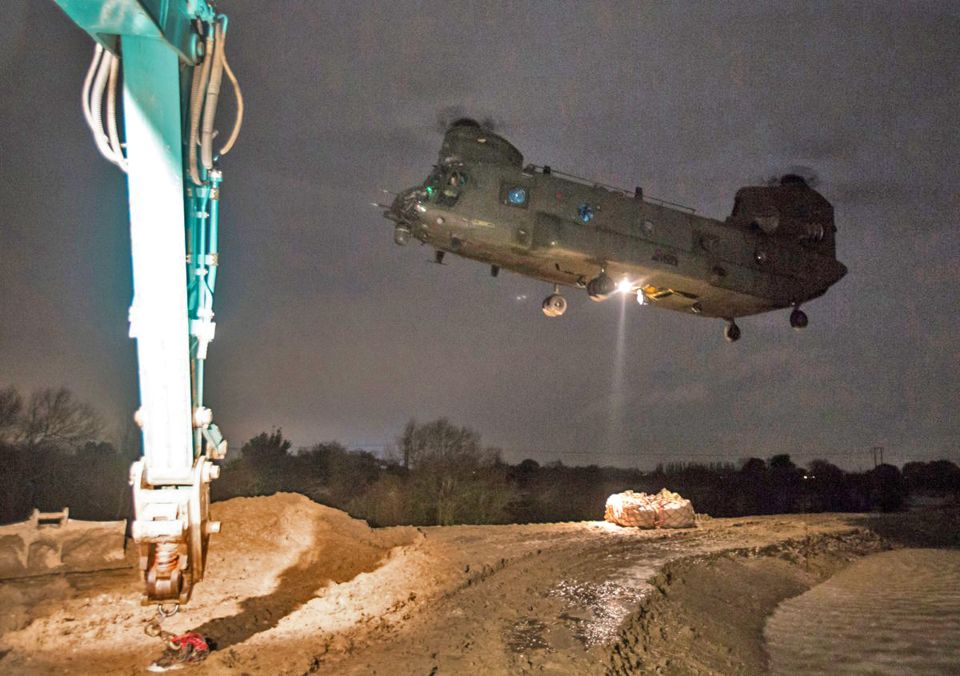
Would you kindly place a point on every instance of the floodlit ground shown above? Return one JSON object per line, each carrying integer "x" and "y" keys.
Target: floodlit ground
{"x": 295, "y": 588}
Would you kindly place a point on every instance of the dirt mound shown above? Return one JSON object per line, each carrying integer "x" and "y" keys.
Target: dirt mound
{"x": 279, "y": 551}
{"x": 286, "y": 535}
{"x": 282, "y": 565}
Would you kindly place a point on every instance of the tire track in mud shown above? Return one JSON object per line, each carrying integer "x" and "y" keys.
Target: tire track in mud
{"x": 891, "y": 613}
{"x": 559, "y": 605}
{"x": 551, "y": 609}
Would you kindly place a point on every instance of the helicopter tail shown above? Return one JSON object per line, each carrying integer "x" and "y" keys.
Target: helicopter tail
{"x": 790, "y": 210}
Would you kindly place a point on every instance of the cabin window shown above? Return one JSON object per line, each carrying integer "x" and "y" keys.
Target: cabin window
{"x": 514, "y": 195}
{"x": 585, "y": 212}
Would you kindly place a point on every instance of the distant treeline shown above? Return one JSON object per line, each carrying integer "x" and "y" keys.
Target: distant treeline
{"x": 51, "y": 457}
{"x": 439, "y": 473}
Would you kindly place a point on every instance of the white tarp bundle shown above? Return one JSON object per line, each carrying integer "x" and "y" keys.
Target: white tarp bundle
{"x": 663, "y": 510}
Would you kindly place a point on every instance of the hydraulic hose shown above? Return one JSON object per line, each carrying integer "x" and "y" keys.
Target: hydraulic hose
{"x": 120, "y": 160}
{"x": 212, "y": 97}
{"x": 102, "y": 75}
{"x": 238, "y": 120}
{"x": 196, "y": 109}
{"x": 96, "y": 108}
{"x": 88, "y": 82}
{"x": 195, "y": 90}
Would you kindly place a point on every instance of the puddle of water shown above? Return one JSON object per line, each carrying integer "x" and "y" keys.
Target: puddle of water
{"x": 527, "y": 635}
{"x": 594, "y": 611}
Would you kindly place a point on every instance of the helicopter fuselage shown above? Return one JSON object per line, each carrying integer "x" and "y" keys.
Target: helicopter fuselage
{"x": 480, "y": 202}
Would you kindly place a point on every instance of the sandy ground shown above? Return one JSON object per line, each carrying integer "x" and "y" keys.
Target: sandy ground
{"x": 892, "y": 613}
{"x": 294, "y": 587}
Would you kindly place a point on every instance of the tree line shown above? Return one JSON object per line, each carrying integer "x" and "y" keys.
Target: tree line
{"x": 52, "y": 455}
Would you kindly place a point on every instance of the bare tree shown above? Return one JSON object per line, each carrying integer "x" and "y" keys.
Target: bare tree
{"x": 455, "y": 479}
{"x": 11, "y": 404}
{"x": 440, "y": 443}
{"x": 56, "y": 417}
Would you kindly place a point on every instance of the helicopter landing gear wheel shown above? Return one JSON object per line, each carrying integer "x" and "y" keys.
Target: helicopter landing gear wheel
{"x": 554, "y": 305}
{"x": 401, "y": 235}
{"x": 731, "y": 332}
{"x": 600, "y": 287}
{"x": 798, "y": 319}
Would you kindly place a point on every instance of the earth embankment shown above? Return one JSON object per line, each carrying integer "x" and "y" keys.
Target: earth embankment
{"x": 295, "y": 587}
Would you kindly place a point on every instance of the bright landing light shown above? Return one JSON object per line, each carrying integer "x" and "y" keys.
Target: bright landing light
{"x": 624, "y": 286}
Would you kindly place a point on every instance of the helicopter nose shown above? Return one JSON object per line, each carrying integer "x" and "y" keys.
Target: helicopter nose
{"x": 404, "y": 207}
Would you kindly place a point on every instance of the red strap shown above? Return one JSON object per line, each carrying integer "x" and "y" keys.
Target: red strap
{"x": 191, "y": 638}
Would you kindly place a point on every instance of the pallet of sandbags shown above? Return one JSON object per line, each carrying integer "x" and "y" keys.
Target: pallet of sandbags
{"x": 665, "y": 509}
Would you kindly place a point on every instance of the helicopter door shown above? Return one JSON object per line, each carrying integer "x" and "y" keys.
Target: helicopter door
{"x": 554, "y": 234}
{"x": 515, "y": 201}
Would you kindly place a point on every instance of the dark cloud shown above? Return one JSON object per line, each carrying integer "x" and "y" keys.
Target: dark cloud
{"x": 327, "y": 329}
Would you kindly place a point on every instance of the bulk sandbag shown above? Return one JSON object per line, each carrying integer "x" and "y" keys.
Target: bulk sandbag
{"x": 665, "y": 509}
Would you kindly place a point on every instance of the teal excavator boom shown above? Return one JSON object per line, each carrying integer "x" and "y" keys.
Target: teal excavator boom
{"x": 168, "y": 58}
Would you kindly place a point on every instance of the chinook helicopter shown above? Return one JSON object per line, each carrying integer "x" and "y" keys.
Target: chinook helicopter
{"x": 776, "y": 249}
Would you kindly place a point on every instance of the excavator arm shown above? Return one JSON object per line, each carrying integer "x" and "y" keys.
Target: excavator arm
{"x": 168, "y": 58}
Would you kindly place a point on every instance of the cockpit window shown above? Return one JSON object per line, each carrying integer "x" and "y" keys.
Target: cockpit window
{"x": 433, "y": 185}
{"x": 444, "y": 185}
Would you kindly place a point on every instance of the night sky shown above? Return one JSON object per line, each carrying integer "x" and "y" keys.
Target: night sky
{"x": 327, "y": 329}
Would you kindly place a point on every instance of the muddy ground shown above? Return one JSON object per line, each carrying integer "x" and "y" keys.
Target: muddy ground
{"x": 294, "y": 587}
